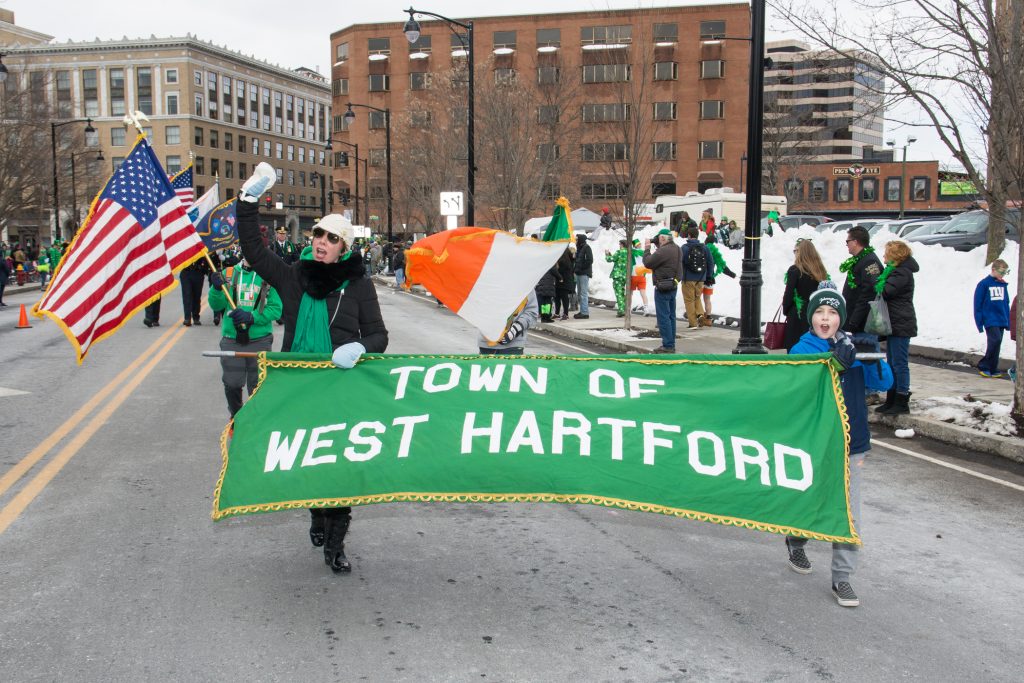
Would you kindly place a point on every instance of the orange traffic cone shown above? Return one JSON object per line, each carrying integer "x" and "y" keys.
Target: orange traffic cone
{"x": 23, "y": 319}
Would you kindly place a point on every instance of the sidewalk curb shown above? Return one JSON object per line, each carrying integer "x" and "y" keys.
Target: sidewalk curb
{"x": 954, "y": 435}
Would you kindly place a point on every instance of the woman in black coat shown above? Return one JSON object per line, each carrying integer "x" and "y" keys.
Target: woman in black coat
{"x": 328, "y": 277}
{"x": 896, "y": 284}
{"x": 802, "y": 279}
{"x": 565, "y": 285}
{"x": 546, "y": 293}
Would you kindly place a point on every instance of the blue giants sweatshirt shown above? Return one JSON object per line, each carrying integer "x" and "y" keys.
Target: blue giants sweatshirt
{"x": 991, "y": 304}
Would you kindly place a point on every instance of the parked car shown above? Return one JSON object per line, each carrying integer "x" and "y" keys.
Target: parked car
{"x": 922, "y": 229}
{"x": 968, "y": 230}
{"x": 897, "y": 226}
{"x": 843, "y": 226}
{"x": 796, "y": 220}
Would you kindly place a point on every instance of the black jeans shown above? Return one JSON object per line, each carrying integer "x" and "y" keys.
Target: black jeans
{"x": 191, "y": 293}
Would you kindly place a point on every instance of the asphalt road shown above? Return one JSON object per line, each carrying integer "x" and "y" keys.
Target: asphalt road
{"x": 111, "y": 569}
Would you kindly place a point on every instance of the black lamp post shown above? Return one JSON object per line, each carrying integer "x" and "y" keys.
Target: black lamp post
{"x": 323, "y": 192}
{"x": 903, "y": 172}
{"x": 366, "y": 185}
{"x": 349, "y": 117}
{"x": 53, "y": 148}
{"x": 74, "y": 185}
{"x": 743, "y": 161}
{"x": 412, "y": 34}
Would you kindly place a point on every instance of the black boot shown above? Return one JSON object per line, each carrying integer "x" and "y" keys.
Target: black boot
{"x": 890, "y": 398}
{"x": 901, "y": 406}
{"x": 334, "y": 544}
{"x": 316, "y": 527}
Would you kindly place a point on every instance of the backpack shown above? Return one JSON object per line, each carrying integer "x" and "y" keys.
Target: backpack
{"x": 695, "y": 260}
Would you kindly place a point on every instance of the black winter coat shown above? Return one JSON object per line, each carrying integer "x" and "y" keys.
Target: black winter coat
{"x": 584, "y": 259}
{"x": 355, "y": 313}
{"x": 899, "y": 295}
{"x": 546, "y": 285}
{"x": 796, "y": 322}
{"x": 566, "y": 281}
{"x": 858, "y": 299}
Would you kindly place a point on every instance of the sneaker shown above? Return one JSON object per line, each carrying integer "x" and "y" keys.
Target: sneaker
{"x": 663, "y": 349}
{"x": 845, "y": 595}
{"x": 990, "y": 375}
{"x": 798, "y": 561}
{"x": 582, "y": 316}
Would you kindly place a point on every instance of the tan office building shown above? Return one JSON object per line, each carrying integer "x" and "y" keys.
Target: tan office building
{"x": 229, "y": 110}
{"x": 699, "y": 86}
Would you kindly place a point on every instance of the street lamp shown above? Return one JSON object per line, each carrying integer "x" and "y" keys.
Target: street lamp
{"x": 53, "y": 148}
{"x": 323, "y": 191}
{"x": 743, "y": 161}
{"x": 3, "y": 69}
{"x": 366, "y": 168}
{"x": 903, "y": 174}
{"x": 412, "y": 34}
{"x": 74, "y": 185}
{"x": 349, "y": 117}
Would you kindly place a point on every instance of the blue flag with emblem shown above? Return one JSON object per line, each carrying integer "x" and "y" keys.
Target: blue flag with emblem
{"x": 219, "y": 228}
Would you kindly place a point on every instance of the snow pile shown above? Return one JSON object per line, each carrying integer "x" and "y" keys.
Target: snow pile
{"x": 944, "y": 287}
{"x": 620, "y": 334}
{"x": 968, "y": 412}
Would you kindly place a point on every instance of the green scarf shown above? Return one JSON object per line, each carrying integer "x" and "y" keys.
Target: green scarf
{"x": 847, "y": 266}
{"x": 312, "y": 326}
{"x": 880, "y": 285}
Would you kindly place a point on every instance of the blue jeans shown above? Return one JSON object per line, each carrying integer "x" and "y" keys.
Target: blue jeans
{"x": 583, "y": 293}
{"x": 990, "y": 363}
{"x": 897, "y": 351}
{"x": 399, "y": 276}
{"x": 665, "y": 308}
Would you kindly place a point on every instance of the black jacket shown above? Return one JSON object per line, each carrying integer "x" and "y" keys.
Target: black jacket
{"x": 566, "y": 282}
{"x": 802, "y": 285}
{"x": 858, "y": 299}
{"x": 546, "y": 285}
{"x": 355, "y": 313}
{"x": 899, "y": 295}
{"x": 584, "y": 259}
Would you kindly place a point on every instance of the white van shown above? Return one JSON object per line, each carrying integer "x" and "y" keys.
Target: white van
{"x": 721, "y": 200}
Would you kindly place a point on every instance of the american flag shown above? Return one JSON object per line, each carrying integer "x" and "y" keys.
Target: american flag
{"x": 136, "y": 237}
{"x": 182, "y": 184}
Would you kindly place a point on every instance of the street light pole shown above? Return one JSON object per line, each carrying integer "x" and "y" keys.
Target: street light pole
{"x": 74, "y": 184}
{"x": 412, "y": 34}
{"x": 743, "y": 161}
{"x": 349, "y": 116}
{"x": 355, "y": 146}
{"x": 53, "y": 149}
{"x": 903, "y": 170}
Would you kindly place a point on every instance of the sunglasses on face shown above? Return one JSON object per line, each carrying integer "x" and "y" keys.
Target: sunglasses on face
{"x": 331, "y": 237}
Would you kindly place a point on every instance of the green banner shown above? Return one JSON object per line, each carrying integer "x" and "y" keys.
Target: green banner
{"x": 760, "y": 443}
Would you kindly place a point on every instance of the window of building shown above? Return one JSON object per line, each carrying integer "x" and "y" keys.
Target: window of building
{"x": 215, "y": 167}
{"x": 817, "y": 190}
{"x": 606, "y": 35}
{"x": 869, "y": 189}
{"x": 302, "y": 155}
{"x": 173, "y": 164}
{"x": 710, "y": 149}
{"x": 171, "y": 76}
{"x": 423, "y": 45}
{"x": 211, "y": 81}
{"x": 664, "y": 151}
{"x": 255, "y": 146}
{"x": 458, "y": 42}
{"x": 197, "y": 78}
{"x": 338, "y": 87}
{"x": 322, "y": 157}
{"x": 712, "y": 109}
{"x": 380, "y": 83}
{"x": 172, "y": 135}
{"x": 62, "y": 81}
{"x": 341, "y": 52}
{"x": 214, "y": 139}
{"x": 663, "y": 188}
{"x": 377, "y": 157}
{"x": 666, "y": 33}
{"x": 171, "y": 103}
{"x": 602, "y": 112}
{"x": 116, "y": 77}
{"x": 604, "y": 151}
{"x": 419, "y": 81}
{"x": 504, "y": 76}
{"x": 291, "y": 152}
{"x": 548, "y": 114}
{"x": 92, "y": 139}
{"x": 920, "y": 190}
{"x": 302, "y": 179}
{"x": 117, "y": 136}
{"x": 197, "y": 134}
{"x": 198, "y": 110}
{"x": 420, "y": 119}
{"x": 603, "y": 191}
{"x": 504, "y": 39}
{"x": 712, "y": 68}
{"x": 243, "y": 169}
{"x": 115, "y": 163}
{"x": 279, "y": 150}
{"x": 199, "y": 166}
{"x": 712, "y": 30}
{"x": 267, "y": 149}
{"x": 664, "y": 111}
{"x": 548, "y": 152}
{"x": 794, "y": 189}
{"x": 291, "y": 177}
{"x": 229, "y": 141}
{"x": 843, "y": 190}
{"x": 606, "y": 73}
{"x": 378, "y": 46}
{"x": 705, "y": 185}
{"x": 229, "y": 193}
{"x": 90, "y": 93}
{"x": 377, "y": 120}
{"x": 666, "y": 71}
{"x": 548, "y": 75}
{"x": 229, "y": 169}
{"x": 892, "y": 189}
{"x": 549, "y": 37}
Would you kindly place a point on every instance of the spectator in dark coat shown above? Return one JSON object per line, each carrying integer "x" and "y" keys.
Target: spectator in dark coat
{"x": 862, "y": 270}
{"x": 546, "y": 290}
{"x": 565, "y": 285}
{"x": 802, "y": 280}
{"x": 896, "y": 285}
{"x": 583, "y": 270}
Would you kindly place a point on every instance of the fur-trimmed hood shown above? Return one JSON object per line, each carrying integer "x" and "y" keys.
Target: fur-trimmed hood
{"x": 320, "y": 279}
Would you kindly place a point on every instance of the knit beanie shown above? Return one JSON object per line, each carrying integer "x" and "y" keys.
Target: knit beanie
{"x": 827, "y": 295}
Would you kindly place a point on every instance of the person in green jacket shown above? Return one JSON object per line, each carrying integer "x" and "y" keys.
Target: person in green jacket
{"x": 247, "y": 328}
{"x": 620, "y": 271}
{"x": 55, "y": 254}
{"x": 720, "y": 267}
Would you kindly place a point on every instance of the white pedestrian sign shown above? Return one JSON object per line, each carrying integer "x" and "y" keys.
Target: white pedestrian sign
{"x": 451, "y": 203}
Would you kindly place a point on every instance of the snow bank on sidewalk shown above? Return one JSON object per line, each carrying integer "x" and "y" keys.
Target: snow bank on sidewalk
{"x": 993, "y": 418}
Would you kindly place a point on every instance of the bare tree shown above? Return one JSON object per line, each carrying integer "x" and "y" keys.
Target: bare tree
{"x": 962, "y": 63}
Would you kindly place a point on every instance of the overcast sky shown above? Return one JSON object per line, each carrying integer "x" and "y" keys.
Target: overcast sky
{"x": 298, "y": 34}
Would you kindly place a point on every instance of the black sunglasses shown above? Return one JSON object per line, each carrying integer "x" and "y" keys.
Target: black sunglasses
{"x": 331, "y": 237}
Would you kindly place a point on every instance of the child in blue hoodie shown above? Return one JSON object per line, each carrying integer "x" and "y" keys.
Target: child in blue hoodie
{"x": 826, "y": 313}
{"x": 992, "y": 314}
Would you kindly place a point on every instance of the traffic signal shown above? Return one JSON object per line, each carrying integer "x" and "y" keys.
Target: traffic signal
{"x": 345, "y": 197}
{"x": 344, "y": 158}
{"x": 267, "y": 201}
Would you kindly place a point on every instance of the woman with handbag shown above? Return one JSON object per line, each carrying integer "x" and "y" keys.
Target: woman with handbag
{"x": 896, "y": 287}
{"x": 802, "y": 280}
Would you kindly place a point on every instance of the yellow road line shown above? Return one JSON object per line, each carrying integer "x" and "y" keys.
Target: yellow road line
{"x": 13, "y": 509}
{"x": 26, "y": 463}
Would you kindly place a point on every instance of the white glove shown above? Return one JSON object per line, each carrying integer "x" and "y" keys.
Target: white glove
{"x": 262, "y": 179}
{"x": 347, "y": 355}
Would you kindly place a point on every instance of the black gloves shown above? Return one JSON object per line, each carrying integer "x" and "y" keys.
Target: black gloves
{"x": 729, "y": 273}
{"x": 242, "y": 318}
{"x": 216, "y": 281}
{"x": 843, "y": 350}
{"x": 710, "y": 282}
{"x": 514, "y": 330}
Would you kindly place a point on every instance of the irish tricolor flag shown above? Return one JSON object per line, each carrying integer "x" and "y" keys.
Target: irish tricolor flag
{"x": 481, "y": 274}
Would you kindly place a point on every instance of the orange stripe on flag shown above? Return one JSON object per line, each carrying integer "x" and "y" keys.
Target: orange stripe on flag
{"x": 463, "y": 252}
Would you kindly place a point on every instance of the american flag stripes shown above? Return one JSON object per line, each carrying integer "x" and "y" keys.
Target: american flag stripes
{"x": 183, "y": 187}
{"x": 136, "y": 237}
